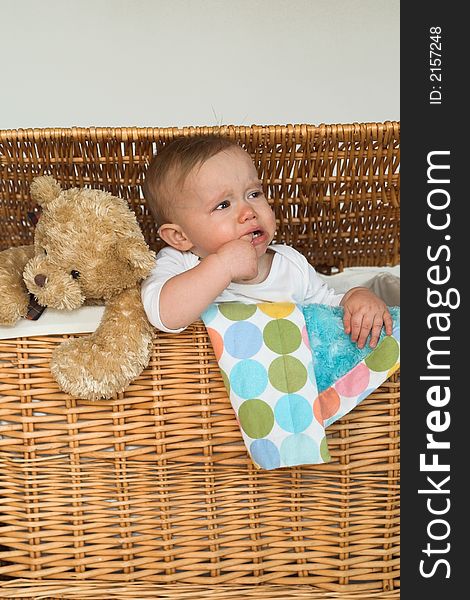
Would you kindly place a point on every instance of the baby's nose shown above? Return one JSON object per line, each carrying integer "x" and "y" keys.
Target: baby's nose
{"x": 246, "y": 213}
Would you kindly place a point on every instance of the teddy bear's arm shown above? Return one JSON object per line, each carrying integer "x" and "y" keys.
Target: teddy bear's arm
{"x": 14, "y": 297}
{"x": 104, "y": 363}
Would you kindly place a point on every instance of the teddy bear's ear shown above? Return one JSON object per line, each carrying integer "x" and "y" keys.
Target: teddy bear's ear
{"x": 44, "y": 189}
{"x": 137, "y": 254}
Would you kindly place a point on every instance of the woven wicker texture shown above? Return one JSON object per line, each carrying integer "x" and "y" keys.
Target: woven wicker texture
{"x": 157, "y": 486}
{"x": 45, "y": 590}
{"x": 334, "y": 188}
{"x": 153, "y": 493}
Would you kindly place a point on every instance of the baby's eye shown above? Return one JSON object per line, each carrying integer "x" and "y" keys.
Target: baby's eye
{"x": 222, "y": 205}
{"x": 256, "y": 194}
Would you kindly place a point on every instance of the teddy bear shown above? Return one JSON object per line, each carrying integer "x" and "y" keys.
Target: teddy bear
{"x": 88, "y": 249}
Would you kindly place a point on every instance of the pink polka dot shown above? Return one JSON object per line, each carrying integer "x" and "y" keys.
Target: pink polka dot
{"x": 355, "y": 382}
{"x": 305, "y": 337}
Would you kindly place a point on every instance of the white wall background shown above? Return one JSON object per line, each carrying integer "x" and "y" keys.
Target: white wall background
{"x": 166, "y": 63}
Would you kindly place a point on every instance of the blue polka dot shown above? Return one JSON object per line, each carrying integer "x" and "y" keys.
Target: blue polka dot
{"x": 293, "y": 413}
{"x": 299, "y": 449}
{"x": 364, "y": 394}
{"x": 335, "y": 417}
{"x": 209, "y": 314}
{"x": 242, "y": 339}
{"x": 248, "y": 379}
{"x": 265, "y": 454}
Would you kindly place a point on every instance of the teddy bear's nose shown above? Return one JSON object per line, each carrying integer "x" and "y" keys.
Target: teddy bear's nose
{"x": 40, "y": 280}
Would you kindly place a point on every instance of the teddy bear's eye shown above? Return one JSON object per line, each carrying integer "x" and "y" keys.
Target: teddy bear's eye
{"x": 75, "y": 274}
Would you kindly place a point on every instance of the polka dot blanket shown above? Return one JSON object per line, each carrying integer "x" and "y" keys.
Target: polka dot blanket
{"x": 291, "y": 371}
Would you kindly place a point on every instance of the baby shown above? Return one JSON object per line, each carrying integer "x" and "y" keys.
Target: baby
{"x": 208, "y": 202}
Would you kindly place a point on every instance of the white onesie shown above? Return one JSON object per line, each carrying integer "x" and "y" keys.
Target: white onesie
{"x": 291, "y": 279}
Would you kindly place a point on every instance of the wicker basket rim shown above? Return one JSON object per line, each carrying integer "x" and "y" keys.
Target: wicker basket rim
{"x": 135, "y": 131}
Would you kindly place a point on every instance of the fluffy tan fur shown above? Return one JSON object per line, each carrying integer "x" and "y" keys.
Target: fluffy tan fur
{"x": 88, "y": 248}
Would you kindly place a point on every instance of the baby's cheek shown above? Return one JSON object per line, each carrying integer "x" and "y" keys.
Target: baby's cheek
{"x": 217, "y": 239}
{"x": 273, "y": 216}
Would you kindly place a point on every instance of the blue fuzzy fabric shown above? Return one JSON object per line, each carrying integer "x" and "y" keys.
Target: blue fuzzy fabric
{"x": 334, "y": 354}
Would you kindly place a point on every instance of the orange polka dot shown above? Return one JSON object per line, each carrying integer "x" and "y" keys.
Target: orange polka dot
{"x": 317, "y": 410}
{"x": 217, "y": 342}
{"x": 326, "y": 405}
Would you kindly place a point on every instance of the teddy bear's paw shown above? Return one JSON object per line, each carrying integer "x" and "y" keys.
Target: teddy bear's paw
{"x": 13, "y": 306}
{"x": 86, "y": 370}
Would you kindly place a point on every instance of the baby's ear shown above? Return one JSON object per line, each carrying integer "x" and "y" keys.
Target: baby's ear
{"x": 174, "y": 236}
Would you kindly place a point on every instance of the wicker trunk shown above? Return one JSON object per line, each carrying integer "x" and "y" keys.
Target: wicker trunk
{"x": 152, "y": 495}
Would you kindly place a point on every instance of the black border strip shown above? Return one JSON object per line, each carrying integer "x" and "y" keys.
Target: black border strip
{"x": 434, "y": 270}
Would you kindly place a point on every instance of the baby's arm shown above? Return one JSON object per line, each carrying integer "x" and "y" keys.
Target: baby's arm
{"x": 185, "y": 296}
{"x": 364, "y": 314}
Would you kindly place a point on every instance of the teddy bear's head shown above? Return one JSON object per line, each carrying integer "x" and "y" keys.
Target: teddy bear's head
{"x": 88, "y": 246}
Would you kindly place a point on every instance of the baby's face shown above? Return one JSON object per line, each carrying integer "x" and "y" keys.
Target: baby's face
{"x": 223, "y": 200}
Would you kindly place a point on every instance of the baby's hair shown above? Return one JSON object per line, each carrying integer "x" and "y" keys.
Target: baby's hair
{"x": 170, "y": 167}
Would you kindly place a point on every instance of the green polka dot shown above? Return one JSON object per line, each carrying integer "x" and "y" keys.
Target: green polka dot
{"x": 282, "y": 336}
{"x": 287, "y": 374}
{"x": 384, "y": 356}
{"x": 236, "y": 311}
{"x": 256, "y": 418}
{"x": 226, "y": 381}
{"x": 324, "y": 451}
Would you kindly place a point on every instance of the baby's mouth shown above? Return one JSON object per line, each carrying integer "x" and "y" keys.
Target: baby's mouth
{"x": 258, "y": 237}
{"x": 253, "y": 236}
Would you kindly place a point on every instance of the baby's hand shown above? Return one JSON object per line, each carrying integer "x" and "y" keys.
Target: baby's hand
{"x": 365, "y": 313}
{"x": 240, "y": 258}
